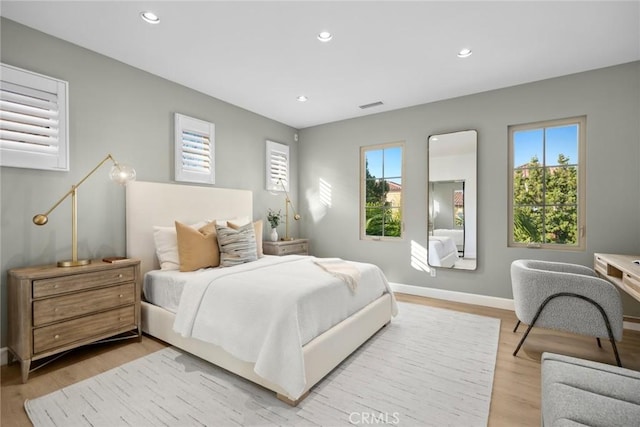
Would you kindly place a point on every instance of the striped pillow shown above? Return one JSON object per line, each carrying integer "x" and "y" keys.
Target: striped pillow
{"x": 237, "y": 246}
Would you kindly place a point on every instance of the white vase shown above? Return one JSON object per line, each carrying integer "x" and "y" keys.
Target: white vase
{"x": 274, "y": 235}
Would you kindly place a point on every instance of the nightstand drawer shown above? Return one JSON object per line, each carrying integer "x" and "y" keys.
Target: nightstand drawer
{"x": 64, "y": 284}
{"x": 297, "y": 248}
{"x": 72, "y": 305}
{"x": 286, "y": 247}
{"x": 63, "y": 333}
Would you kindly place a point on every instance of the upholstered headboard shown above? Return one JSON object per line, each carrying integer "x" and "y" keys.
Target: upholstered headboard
{"x": 150, "y": 204}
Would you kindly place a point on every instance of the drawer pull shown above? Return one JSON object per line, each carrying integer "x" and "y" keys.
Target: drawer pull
{"x": 56, "y": 337}
{"x": 55, "y": 310}
{"x": 121, "y": 295}
{"x": 120, "y": 276}
{"x": 55, "y": 286}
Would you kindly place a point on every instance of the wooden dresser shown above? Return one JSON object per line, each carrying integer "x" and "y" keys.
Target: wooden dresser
{"x": 54, "y": 309}
{"x": 286, "y": 247}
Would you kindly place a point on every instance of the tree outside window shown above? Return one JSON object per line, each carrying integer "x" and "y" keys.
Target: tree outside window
{"x": 547, "y": 186}
{"x": 382, "y": 182}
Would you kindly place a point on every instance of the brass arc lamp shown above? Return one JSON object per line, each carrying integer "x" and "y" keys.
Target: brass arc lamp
{"x": 288, "y": 204}
{"x": 120, "y": 173}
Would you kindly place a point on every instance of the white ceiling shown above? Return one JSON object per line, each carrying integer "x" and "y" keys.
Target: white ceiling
{"x": 262, "y": 55}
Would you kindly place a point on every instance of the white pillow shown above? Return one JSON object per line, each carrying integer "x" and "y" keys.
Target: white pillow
{"x": 166, "y": 242}
{"x": 238, "y": 221}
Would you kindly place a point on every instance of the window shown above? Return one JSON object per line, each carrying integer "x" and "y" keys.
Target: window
{"x": 547, "y": 184}
{"x": 277, "y": 166}
{"x": 33, "y": 120}
{"x": 381, "y": 191}
{"x": 194, "y": 150}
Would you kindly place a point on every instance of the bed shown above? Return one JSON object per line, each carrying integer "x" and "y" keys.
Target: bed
{"x": 442, "y": 251}
{"x": 456, "y": 234}
{"x": 155, "y": 204}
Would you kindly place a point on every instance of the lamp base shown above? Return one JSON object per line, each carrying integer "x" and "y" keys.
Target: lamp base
{"x": 76, "y": 263}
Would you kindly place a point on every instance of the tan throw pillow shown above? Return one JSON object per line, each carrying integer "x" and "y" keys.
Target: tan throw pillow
{"x": 257, "y": 229}
{"x": 197, "y": 248}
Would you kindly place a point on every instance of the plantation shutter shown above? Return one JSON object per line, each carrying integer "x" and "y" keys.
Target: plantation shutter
{"x": 33, "y": 120}
{"x": 277, "y": 166}
{"x": 194, "y": 141}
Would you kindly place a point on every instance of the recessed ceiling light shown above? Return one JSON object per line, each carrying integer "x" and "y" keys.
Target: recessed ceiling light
{"x": 150, "y": 17}
{"x": 325, "y": 36}
{"x": 302, "y": 98}
{"x": 465, "y": 53}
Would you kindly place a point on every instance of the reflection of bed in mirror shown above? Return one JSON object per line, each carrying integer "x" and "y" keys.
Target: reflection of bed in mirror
{"x": 452, "y": 196}
{"x": 442, "y": 251}
{"x": 456, "y": 235}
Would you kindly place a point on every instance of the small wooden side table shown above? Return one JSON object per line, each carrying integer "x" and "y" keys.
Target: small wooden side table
{"x": 286, "y": 247}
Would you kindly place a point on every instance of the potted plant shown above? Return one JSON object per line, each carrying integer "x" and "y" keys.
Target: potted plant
{"x": 274, "y": 220}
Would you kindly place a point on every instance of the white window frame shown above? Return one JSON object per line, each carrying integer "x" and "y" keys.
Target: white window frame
{"x": 581, "y": 243}
{"x": 34, "y": 124}
{"x": 194, "y": 158}
{"x": 277, "y": 166}
{"x": 363, "y": 190}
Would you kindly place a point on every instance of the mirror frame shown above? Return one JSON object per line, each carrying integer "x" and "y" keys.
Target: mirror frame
{"x": 465, "y": 258}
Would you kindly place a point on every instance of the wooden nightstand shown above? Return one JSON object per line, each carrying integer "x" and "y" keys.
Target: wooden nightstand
{"x": 54, "y": 309}
{"x": 286, "y": 247}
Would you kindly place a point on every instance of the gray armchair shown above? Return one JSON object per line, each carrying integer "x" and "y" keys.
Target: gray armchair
{"x": 566, "y": 297}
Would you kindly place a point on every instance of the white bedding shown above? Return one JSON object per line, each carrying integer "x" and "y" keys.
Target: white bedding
{"x": 265, "y": 311}
{"x": 456, "y": 234}
{"x": 442, "y": 251}
{"x": 164, "y": 287}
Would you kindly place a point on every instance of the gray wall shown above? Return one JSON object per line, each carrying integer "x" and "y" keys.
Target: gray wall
{"x": 118, "y": 109}
{"x": 129, "y": 113}
{"x": 609, "y": 97}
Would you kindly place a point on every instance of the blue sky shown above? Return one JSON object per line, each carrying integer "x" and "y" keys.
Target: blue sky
{"x": 390, "y": 159}
{"x": 561, "y": 139}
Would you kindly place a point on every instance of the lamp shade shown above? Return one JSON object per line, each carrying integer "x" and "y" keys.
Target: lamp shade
{"x": 122, "y": 174}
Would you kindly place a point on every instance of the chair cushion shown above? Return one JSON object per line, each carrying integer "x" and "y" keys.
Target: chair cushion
{"x": 588, "y": 393}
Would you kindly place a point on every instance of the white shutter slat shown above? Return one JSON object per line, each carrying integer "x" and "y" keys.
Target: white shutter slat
{"x": 31, "y": 148}
{"x": 23, "y": 118}
{"x": 38, "y": 99}
{"x": 29, "y": 138}
{"x": 27, "y": 128}
{"x": 28, "y": 110}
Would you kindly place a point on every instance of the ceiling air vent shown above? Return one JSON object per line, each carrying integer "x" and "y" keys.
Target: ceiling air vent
{"x": 373, "y": 104}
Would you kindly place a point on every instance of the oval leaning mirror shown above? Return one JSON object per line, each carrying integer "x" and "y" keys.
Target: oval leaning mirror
{"x": 452, "y": 196}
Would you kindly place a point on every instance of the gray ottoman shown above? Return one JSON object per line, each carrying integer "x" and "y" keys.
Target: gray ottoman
{"x": 577, "y": 392}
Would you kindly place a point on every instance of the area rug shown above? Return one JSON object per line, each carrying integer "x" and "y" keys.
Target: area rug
{"x": 429, "y": 367}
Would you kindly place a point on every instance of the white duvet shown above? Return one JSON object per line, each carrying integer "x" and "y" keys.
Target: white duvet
{"x": 442, "y": 251}
{"x": 265, "y": 311}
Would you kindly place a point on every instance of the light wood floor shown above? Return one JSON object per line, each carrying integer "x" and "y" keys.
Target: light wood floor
{"x": 516, "y": 388}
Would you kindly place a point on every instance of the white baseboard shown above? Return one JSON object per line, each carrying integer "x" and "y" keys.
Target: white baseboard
{"x": 487, "y": 301}
{"x": 633, "y": 326}
{"x": 4, "y": 356}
